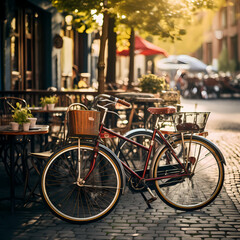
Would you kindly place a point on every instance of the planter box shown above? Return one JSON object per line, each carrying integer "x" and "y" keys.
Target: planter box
{"x": 172, "y": 97}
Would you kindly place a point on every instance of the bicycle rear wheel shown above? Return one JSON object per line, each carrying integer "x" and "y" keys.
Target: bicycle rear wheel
{"x": 202, "y": 186}
{"x": 89, "y": 200}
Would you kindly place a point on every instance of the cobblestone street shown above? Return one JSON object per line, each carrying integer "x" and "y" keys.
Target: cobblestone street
{"x": 131, "y": 219}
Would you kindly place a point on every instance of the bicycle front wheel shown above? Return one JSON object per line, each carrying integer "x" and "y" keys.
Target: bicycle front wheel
{"x": 75, "y": 198}
{"x": 205, "y": 181}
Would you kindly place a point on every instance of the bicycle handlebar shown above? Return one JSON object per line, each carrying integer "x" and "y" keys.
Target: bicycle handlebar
{"x": 112, "y": 98}
{"x": 123, "y": 102}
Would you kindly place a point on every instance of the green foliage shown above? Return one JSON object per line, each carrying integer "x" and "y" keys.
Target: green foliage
{"x": 224, "y": 64}
{"x": 48, "y": 100}
{"x": 21, "y": 115}
{"x": 153, "y": 84}
{"x": 164, "y": 18}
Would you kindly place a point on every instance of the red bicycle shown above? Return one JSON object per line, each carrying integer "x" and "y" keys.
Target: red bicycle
{"x": 83, "y": 182}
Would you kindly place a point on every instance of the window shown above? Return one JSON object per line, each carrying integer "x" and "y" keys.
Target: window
{"x": 233, "y": 13}
{"x": 224, "y": 17}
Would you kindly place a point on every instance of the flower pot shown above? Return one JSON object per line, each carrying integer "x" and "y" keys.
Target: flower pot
{"x": 14, "y": 126}
{"x": 44, "y": 107}
{"x": 26, "y": 126}
{"x": 50, "y": 106}
{"x": 32, "y": 122}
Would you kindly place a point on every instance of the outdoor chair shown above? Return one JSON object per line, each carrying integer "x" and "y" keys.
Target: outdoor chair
{"x": 57, "y": 121}
{"x": 39, "y": 159}
{"x": 7, "y": 105}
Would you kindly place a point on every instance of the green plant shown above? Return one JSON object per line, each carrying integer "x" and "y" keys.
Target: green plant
{"x": 224, "y": 63}
{"x": 43, "y": 102}
{"x": 21, "y": 115}
{"x": 153, "y": 84}
{"x": 48, "y": 100}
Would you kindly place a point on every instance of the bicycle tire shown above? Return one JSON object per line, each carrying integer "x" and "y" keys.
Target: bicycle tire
{"x": 133, "y": 155}
{"x": 91, "y": 201}
{"x": 197, "y": 191}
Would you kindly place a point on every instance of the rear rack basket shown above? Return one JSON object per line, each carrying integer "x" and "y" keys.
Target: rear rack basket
{"x": 190, "y": 121}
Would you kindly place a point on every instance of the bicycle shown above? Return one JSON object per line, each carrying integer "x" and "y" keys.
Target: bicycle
{"x": 83, "y": 182}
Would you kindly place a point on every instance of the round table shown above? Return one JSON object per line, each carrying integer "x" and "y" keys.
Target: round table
{"x": 7, "y": 131}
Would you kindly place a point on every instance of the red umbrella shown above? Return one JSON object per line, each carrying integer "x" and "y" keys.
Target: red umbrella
{"x": 144, "y": 47}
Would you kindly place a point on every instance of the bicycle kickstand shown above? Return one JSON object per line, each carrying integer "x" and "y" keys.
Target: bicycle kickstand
{"x": 148, "y": 201}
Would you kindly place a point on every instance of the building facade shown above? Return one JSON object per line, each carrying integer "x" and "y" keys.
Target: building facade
{"x": 38, "y": 48}
{"x": 221, "y": 44}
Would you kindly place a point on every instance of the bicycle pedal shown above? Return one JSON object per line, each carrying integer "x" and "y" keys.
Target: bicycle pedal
{"x": 151, "y": 199}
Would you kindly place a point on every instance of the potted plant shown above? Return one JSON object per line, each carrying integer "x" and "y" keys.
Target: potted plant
{"x": 49, "y": 102}
{"x": 21, "y": 116}
{"x": 43, "y": 102}
{"x": 152, "y": 83}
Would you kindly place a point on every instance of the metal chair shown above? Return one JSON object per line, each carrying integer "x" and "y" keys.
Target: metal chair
{"x": 38, "y": 159}
{"x": 7, "y": 105}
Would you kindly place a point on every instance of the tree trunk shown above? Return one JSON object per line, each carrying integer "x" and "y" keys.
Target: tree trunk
{"x": 101, "y": 62}
{"x": 111, "y": 65}
{"x": 131, "y": 60}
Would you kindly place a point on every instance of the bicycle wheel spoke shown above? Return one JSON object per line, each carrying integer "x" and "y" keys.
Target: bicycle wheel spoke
{"x": 201, "y": 186}
{"x": 81, "y": 201}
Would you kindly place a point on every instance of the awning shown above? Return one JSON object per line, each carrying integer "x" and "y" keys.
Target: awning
{"x": 175, "y": 62}
{"x": 144, "y": 47}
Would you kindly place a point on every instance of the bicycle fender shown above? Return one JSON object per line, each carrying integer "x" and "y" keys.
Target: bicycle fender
{"x": 137, "y": 130}
{"x": 215, "y": 148}
{"x": 154, "y": 159}
{"x": 119, "y": 163}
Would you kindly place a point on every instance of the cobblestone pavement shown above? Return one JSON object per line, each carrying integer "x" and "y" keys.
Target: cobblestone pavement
{"x": 131, "y": 219}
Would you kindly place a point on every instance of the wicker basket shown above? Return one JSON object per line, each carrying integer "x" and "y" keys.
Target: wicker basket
{"x": 83, "y": 123}
{"x": 190, "y": 121}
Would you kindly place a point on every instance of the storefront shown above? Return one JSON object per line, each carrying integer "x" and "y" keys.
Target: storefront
{"x": 31, "y": 57}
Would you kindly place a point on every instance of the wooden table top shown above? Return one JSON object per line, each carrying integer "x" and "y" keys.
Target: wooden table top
{"x": 55, "y": 110}
{"x": 38, "y": 129}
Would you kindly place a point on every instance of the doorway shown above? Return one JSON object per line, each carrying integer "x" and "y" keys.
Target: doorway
{"x": 25, "y": 55}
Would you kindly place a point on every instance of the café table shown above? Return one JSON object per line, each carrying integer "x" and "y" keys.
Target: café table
{"x": 58, "y": 114}
{"x": 47, "y": 112}
{"x": 10, "y": 135}
{"x": 146, "y": 102}
{"x": 141, "y": 102}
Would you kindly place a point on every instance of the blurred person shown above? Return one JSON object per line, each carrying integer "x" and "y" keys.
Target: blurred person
{"x": 180, "y": 79}
{"x": 75, "y": 77}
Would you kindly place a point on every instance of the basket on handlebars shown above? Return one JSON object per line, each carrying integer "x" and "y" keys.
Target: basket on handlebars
{"x": 83, "y": 123}
{"x": 190, "y": 121}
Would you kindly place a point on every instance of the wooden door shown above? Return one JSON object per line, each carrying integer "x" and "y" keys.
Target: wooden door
{"x": 23, "y": 49}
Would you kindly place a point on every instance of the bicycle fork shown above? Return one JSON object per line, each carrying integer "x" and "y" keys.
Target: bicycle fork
{"x": 80, "y": 181}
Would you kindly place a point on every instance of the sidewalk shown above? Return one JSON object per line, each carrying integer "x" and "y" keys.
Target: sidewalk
{"x": 131, "y": 219}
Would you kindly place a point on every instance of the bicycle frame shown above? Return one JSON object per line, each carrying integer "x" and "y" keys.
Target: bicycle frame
{"x": 148, "y": 149}
{"x": 156, "y": 131}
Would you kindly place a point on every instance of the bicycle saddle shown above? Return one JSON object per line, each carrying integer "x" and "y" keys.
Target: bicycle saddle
{"x": 163, "y": 110}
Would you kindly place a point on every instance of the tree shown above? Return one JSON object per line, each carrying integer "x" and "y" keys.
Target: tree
{"x": 84, "y": 12}
{"x": 112, "y": 48}
{"x": 195, "y": 28}
{"x": 164, "y": 18}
